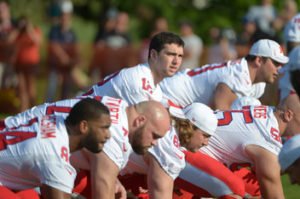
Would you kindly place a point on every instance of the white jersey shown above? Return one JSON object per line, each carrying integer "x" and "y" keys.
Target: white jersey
{"x": 167, "y": 152}
{"x": 36, "y": 153}
{"x": 133, "y": 85}
{"x": 117, "y": 147}
{"x": 198, "y": 85}
{"x": 240, "y": 128}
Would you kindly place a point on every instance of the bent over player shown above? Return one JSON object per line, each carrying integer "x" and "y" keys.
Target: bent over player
{"x": 37, "y": 152}
{"x": 251, "y": 137}
{"x": 218, "y": 85}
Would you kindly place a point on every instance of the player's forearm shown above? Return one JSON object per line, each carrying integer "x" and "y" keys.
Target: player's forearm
{"x": 272, "y": 190}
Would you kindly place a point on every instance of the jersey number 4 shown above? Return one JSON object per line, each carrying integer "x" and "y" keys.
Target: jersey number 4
{"x": 14, "y": 137}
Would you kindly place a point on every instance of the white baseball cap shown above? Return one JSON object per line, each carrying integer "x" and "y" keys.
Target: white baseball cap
{"x": 290, "y": 152}
{"x": 292, "y": 30}
{"x": 269, "y": 48}
{"x": 244, "y": 101}
{"x": 199, "y": 114}
{"x": 294, "y": 62}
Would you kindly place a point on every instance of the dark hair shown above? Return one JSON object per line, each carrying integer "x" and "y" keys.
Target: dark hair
{"x": 253, "y": 57}
{"x": 250, "y": 57}
{"x": 159, "y": 40}
{"x": 86, "y": 109}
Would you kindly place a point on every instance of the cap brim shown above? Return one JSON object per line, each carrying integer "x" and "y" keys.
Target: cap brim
{"x": 177, "y": 112}
{"x": 281, "y": 59}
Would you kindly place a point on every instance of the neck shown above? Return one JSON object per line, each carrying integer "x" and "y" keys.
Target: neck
{"x": 252, "y": 71}
{"x": 74, "y": 141}
{"x": 131, "y": 115}
{"x": 155, "y": 74}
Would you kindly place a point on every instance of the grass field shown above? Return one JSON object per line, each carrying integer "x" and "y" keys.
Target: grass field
{"x": 290, "y": 191}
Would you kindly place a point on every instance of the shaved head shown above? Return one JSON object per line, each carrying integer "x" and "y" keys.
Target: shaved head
{"x": 155, "y": 110}
{"x": 151, "y": 122}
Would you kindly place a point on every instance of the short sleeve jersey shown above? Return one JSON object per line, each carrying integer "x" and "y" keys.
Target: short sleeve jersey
{"x": 36, "y": 153}
{"x": 133, "y": 85}
{"x": 240, "y": 128}
{"x": 117, "y": 147}
{"x": 198, "y": 85}
{"x": 167, "y": 152}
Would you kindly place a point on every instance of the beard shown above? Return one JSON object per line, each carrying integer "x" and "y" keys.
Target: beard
{"x": 136, "y": 143}
{"x": 91, "y": 144}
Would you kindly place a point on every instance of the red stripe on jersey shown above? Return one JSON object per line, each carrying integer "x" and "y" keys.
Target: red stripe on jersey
{"x": 51, "y": 109}
{"x": 108, "y": 78}
{"x": 199, "y": 71}
{"x": 171, "y": 103}
{"x": 30, "y": 122}
{"x": 2, "y": 125}
{"x": 19, "y": 136}
{"x": 98, "y": 98}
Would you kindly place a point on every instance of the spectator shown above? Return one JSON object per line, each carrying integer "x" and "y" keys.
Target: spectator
{"x": 243, "y": 42}
{"x": 63, "y": 55}
{"x": 289, "y": 10}
{"x": 6, "y": 47}
{"x": 264, "y": 14}
{"x": 27, "y": 41}
{"x": 193, "y": 46}
{"x": 113, "y": 49}
{"x": 223, "y": 48}
{"x": 160, "y": 25}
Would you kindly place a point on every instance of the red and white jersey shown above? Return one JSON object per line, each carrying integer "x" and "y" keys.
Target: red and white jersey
{"x": 240, "y": 128}
{"x": 61, "y": 108}
{"x": 35, "y": 153}
{"x": 198, "y": 85}
{"x": 117, "y": 147}
{"x": 167, "y": 152}
{"x": 285, "y": 87}
{"x": 133, "y": 85}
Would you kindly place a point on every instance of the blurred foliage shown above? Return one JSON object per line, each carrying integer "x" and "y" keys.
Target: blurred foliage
{"x": 203, "y": 13}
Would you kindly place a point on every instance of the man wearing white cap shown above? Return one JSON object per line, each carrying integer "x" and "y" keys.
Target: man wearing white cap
{"x": 289, "y": 159}
{"x": 218, "y": 85}
{"x": 288, "y": 96}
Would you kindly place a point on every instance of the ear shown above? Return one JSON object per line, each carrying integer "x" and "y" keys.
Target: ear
{"x": 139, "y": 120}
{"x": 153, "y": 54}
{"x": 288, "y": 115}
{"x": 258, "y": 61}
{"x": 83, "y": 127}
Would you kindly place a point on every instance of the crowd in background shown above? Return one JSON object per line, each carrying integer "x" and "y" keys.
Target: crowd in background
{"x": 113, "y": 48}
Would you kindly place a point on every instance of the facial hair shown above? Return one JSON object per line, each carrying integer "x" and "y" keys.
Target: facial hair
{"x": 136, "y": 143}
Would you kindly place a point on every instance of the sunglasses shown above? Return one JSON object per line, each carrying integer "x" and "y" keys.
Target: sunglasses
{"x": 275, "y": 63}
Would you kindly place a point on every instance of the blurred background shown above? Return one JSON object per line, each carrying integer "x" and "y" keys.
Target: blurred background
{"x": 53, "y": 49}
{"x": 56, "y": 49}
